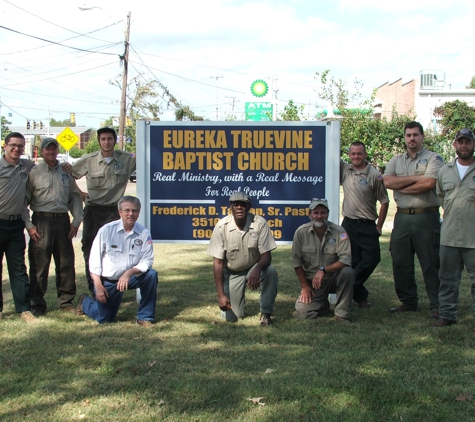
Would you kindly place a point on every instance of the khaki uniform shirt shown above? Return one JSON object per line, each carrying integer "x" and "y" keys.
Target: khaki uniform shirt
{"x": 425, "y": 163}
{"x": 311, "y": 253}
{"x": 457, "y": 198}
{"x": 106, "y": 183}
{"x": 361, "y": 188}
{"x": 52, "y": 190}
{"x": 13, "y": 181}
{"x": 241, "y": 250}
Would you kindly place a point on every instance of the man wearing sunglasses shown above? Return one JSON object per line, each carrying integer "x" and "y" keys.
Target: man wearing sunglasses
{"x": 241, "y": 245}
{"x": 321, "y": 257}
{"x": 456, "y": 193}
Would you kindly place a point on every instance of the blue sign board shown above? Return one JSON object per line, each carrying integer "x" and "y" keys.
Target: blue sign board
{"x": 186, "y": 172}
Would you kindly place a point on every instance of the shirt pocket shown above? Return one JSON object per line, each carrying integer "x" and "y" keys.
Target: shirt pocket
{"x": 309, "y": 256}
{"x": 114, "y": 253}
{"x": 232, "y": 251}
{"x": 330, "y": 254}
{"x": 471, "y": 192}
{"x": 96, "y": 179}
{"x": 120, "y": 172}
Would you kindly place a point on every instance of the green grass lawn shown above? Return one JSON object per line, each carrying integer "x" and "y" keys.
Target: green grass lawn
{"x": 192, "y": 366}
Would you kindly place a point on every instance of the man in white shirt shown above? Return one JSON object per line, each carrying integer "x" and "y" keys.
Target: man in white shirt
{"x": 121, "y": 258}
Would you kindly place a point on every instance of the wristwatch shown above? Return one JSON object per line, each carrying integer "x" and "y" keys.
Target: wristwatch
{"x": 323, "y": 269}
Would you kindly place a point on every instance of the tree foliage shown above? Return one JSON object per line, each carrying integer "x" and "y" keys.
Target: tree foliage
{"x": 61, "y": 123}
{"x": 455, "y": 115}
{"x": 5, "y": 128}
{"x": 471, "y": 85}
{"x": 292, "y": 112}
{"x": 185, "y": 113}
{"x": 383, "y": 138}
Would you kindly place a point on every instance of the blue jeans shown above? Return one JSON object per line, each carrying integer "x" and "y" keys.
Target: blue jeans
{"x": 106, "y": 312}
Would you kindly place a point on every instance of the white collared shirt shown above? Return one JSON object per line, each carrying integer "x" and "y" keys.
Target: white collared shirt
{"x": 115, "y": 251}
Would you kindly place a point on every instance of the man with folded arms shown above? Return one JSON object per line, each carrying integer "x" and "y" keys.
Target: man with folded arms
{"x": 413, "y": 176}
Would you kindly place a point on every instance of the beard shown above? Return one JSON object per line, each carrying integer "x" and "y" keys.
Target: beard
{"x": 464, "y": 155}
{"x": 319, "y": 224}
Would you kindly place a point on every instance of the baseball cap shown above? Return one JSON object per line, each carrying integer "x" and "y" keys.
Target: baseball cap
{"x": 315, "y": 202}
{"x": 48, "y": 141}
{"x": 239, "y": 196}
{"x": 464, "y": 133}
{"x": 106, "y": 130}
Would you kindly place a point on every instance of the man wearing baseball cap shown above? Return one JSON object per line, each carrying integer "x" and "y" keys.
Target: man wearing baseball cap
{"x": 241, "y": 245}
{"x": 321, "y": 257}
{"x": 456, "y": 193}
{"x": 52, "y": 193}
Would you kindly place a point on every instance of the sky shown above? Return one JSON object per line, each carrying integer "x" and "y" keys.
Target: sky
{"x": 56, "y": 59}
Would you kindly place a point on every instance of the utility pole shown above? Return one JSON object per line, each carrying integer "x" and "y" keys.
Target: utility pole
{"x": 216, "y": 77}
{"x": 123, "y": 101}
{"x": 232, "y": 106}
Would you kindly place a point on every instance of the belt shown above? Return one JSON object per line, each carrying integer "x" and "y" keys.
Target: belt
{"x": 103, "y": 206}
{"x": 412, "y": 211}
{"x": 109, "y": 280}
{"x": 13, "y": 217}
{"x": 360, "y": 220}
{"x": 50, "y": 214}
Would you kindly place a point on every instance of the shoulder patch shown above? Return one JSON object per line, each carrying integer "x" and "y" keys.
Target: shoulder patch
{"x": 343, "y": 236}
{"x": 149, "y": 240}
{"x": 439, "y": 158}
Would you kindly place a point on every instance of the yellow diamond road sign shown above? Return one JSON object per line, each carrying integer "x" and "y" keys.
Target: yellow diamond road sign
{"x": 67, "y": 139}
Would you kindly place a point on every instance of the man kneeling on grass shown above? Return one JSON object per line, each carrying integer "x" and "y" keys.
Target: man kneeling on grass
{"x": 121, "y": 259}
{"x": 241, "y": 245}
{"x": 321, "y": 257}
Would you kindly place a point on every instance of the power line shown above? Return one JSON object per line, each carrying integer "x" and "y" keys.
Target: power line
{"x": 62, "y": 27}
{"x": 61, "y": 76}
{"x": 57, "y": 43}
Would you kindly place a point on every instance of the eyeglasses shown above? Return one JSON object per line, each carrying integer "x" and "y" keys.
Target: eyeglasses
{"x": 127, "y": 211}
{"x": 15, "y": 146}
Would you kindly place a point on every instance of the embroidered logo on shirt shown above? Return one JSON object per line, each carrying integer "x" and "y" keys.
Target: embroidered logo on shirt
{"x": 423, "y": 161}
{"x": 331, "y": 241}
{"x": 64, "y": 176}
{"x": 138, "y": 242}
{"x": 363, "y": 182}
{"x": 23, "y": 175}
{"x": 343, "y": 236}
{"x": 253, "y": 235}
{"x": 119, "y": 165}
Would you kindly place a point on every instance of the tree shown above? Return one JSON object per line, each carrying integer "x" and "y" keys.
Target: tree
{"x": 383, "y": 138}
{"x": 141, "y": 102}
{"x": 5, "y": 128}
{"x": 453, "y": 116}
{"x": 471, "y": 85}
{"x": 61, "y": 123}
{"x": 292, "y": 112}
